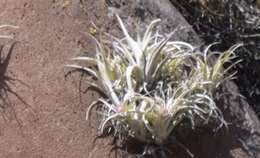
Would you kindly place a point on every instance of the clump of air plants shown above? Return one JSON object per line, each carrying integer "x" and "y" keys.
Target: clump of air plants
{"x": 153, "y": 84}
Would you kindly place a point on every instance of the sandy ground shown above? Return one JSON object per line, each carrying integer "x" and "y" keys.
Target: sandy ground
{"x": 48, "y": 120}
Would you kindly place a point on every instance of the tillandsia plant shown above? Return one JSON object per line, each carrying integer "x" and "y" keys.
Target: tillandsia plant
{"x": 7, "y": 26}
{"x": 153, "y": 84}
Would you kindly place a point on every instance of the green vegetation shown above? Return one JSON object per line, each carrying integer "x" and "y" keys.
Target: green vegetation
{"x": 153, "y": 84}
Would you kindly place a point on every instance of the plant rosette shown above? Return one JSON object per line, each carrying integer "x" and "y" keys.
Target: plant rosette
{"x": 153, "y": 84}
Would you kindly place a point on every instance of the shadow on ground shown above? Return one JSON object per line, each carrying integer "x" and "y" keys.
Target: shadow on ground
{"x": 6, "y": 82}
